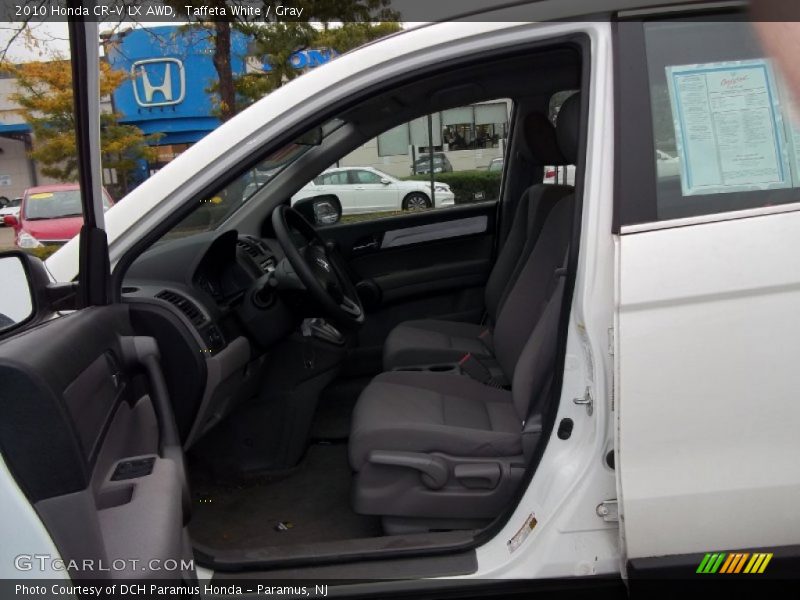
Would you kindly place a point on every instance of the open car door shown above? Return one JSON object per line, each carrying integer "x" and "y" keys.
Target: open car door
{"x": 87, "y": 434}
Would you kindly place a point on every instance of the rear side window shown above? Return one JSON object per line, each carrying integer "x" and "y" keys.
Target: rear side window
{"x": 705, "y": 123}
{"x": 724, "y": 130}
{"x": 335, "y": 178}
{"x": 361, "y": 176}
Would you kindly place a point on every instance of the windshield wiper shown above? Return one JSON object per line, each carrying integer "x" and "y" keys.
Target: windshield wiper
{"x": 53, "y": 217}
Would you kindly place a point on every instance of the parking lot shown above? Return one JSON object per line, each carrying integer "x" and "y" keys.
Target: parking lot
{"x": 6, "y": 238}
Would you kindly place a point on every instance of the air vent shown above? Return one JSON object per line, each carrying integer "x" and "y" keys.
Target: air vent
{"x": 259, "y": 254}
{"x": 183, "y": 304}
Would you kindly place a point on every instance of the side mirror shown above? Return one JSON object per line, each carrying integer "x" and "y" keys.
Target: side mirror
{"x": 11, "y": 221}
{"x": 28, "y": 295}
{"x": 385, "y": 181}
{"x": 320, "y": 210}
{"x": 17, "y": 302}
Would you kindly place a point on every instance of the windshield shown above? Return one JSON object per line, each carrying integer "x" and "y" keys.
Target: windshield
{"x": 55, "y": 205}
{"x": 214, "y": 209}
{"x": 14, "y": 202}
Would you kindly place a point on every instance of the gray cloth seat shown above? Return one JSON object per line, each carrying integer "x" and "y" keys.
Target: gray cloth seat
{"x": 429, "y": 447}
{"x": 434, "y": 412}
{"x": 431, "y": 341}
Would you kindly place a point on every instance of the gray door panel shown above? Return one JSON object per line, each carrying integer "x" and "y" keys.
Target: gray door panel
{"x": 85, "y": 433}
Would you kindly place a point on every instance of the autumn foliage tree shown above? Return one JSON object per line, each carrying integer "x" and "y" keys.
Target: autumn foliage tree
{"x": 360, "y": 21}
{"x": 277, "y": 42}
{"x": 44, "y": 95}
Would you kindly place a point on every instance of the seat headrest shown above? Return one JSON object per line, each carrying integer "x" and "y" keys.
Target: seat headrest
{"x": 541, "y": 140}
{"x": 568, "y": 127}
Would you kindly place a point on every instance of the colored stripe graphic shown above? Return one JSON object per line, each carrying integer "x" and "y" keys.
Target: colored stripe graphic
{"x": 703, "y": 563}
{"x": 767, "y": 558}
{"x": 734, "y": 562}
{"x": 730, "y": 565}
{"x": 740, "y": 563}
{"x": 727, "y": 564}
{"x": 711, "y": 562}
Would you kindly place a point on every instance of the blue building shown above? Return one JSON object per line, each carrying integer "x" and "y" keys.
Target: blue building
{"x": 172, "y": 74}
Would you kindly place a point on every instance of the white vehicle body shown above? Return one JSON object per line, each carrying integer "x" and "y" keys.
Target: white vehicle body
{"x": 9, "y": 210}
{"x": 367, "y": 190}
{"x": 681, "y": 332}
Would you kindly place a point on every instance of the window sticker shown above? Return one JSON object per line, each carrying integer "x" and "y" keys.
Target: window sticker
{"x": 728, "y": 127}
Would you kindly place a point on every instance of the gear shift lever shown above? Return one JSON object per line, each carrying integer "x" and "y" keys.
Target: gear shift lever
{"x": 322, "y": 330}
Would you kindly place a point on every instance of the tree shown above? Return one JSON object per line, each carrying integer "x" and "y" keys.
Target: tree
{"x": 277, "y": 43}
{"x": 44, "y": 94}
{"x": 281, "y": 38}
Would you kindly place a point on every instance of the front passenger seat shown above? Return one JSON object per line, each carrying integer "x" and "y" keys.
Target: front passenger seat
{"x": 431, "y": 341}
{"x": 441, "y": 450}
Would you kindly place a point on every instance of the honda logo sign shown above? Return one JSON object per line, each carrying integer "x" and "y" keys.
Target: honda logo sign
{"x": 158, "y": 82}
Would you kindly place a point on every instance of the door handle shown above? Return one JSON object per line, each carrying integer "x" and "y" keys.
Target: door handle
{"x": 371, "y": 245}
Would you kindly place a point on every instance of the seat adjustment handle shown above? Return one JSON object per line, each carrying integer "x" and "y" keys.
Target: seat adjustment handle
{"x": 480, "y": 476}
{"x": 433, "y": 470}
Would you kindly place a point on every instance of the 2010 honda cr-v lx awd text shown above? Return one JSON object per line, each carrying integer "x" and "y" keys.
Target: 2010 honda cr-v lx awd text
{"x": 566, "y": 381}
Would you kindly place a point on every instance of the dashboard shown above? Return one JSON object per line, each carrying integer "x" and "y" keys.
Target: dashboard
{"x": 217, "y": 282}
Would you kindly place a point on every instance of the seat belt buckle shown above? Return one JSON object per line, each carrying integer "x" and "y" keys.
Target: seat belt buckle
{"x": 475, "y": 369}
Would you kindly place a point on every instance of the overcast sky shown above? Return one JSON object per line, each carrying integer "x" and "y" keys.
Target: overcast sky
{"x": 54, "y": 38}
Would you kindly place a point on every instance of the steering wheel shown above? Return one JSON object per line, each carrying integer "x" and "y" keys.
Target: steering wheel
{"x": 319, "y": 269}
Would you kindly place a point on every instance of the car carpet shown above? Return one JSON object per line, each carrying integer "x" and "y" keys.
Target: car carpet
{"x": 312, "y": 504}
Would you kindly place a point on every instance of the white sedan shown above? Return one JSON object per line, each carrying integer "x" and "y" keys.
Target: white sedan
{"x": 11, "y": 209}
{"x": 366, "y": 190}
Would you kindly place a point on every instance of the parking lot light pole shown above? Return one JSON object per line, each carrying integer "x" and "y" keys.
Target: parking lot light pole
{"x": 430, "y": 158}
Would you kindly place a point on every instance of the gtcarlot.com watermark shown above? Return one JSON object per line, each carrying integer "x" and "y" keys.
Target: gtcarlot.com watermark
{"x": 46, "y": 563}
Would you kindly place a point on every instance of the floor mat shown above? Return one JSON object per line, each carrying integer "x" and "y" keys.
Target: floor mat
{"x": 312, "y": 504}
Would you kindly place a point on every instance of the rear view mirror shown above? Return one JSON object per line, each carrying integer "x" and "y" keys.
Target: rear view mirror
{"x": 16, "y": 301}
{"x": 320, "y": 210}
{"x": 311, "y": 138}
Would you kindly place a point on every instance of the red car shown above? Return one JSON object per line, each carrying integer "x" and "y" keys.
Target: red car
{"x": 50, "y": 215}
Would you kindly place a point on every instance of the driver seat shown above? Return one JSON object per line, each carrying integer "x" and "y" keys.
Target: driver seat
{"x": 434, "y": 450}
{"x": 438, "y": 450}
{"x": 432, "y": 341}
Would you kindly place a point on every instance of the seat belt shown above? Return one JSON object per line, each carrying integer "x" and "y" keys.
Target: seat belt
{"x": 477, "y": 369}
{"x": 533, "y": 420}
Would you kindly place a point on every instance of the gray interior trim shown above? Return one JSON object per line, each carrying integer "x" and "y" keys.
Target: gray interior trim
{"x": 452, "y": 565}
{"x": 333, "y": 552}
{"x": 226, "y": 363}
{"x": 434, "y": 231}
